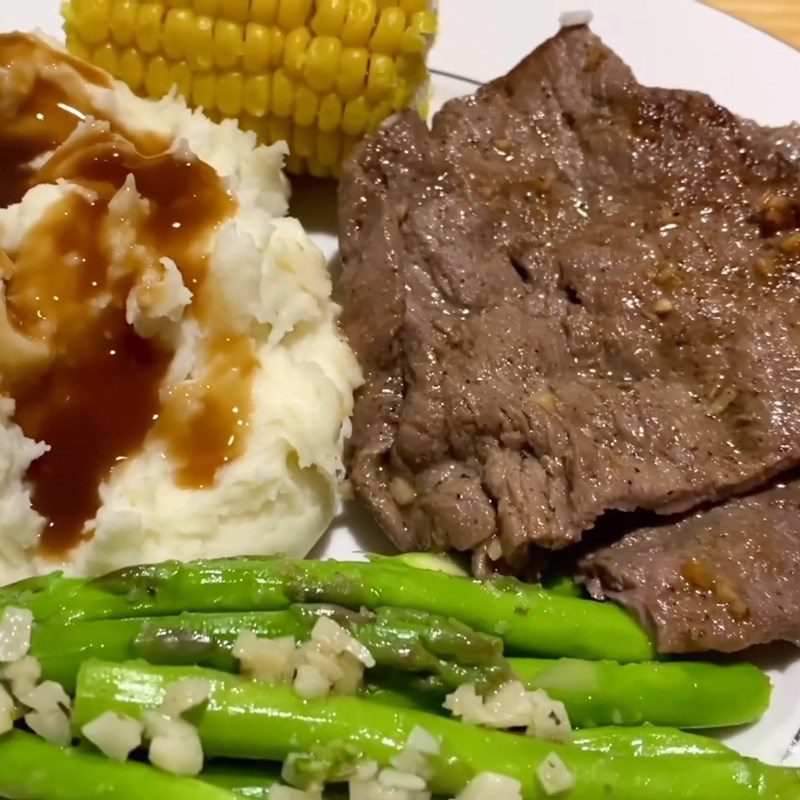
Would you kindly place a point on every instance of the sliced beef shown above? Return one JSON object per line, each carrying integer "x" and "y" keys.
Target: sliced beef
{"x": 574, "y": 294}
{"x": 722, "y": 579}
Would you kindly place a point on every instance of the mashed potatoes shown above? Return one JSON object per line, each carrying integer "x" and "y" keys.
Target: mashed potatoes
{"x": 251, "y": 382}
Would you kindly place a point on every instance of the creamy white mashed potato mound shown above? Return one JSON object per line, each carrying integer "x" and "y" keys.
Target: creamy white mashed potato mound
{"x": 272, "y": 284}
{"x": 20, "y": 525}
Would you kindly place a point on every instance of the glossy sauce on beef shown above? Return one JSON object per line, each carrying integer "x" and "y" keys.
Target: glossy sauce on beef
{"x": 97, "y": 394}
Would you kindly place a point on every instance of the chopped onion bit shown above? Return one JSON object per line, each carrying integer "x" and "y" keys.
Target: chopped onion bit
{"x": 310, "y": 683}
{"x": 331, "y": 661}
{"x": 114, "y": 735}
{"x": 50, "y": 712}
{"x": 512, "y": 706}
{"x": 16, "y": 625}
{"x": 330, "y": 633}
{"x": 395, "y": 786}
{"x": 184, "y": 695}
{"x": 395, "y": 779}
{"x": 487, "y": 785}
{"x": 406, "y": 780}
{"x": 174, "y": 744}
{"x": 8, "y": 711}
{"x": 22, "y": 675}
{"x": 414, "y": 757}
{"x": 46, "y": 696}
{"x": 268, "y": 660}
{"x": 53, "y": 725}
{"x": 554, "y": 775}
{"x": 419, "y": 739}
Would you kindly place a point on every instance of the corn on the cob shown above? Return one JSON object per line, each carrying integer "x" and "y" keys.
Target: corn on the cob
{"x": 318, "y": 74}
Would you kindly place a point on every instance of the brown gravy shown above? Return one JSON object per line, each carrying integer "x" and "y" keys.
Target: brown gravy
{"x": 100, "y": 394}
{"x": 206, "y": 423}
{"x": 43, "y": 103}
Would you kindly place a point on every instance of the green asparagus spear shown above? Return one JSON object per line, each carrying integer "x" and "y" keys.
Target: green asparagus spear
{"x": 33, "y": 769}
{"x": 258, "y": 721}
{"x": 689, "y": 694}
{"x": 530, "y": 620}
{"x": 406, "y": 640}
{"x": 678, "y": 694}
{"x": 649, "y": 741}
{"x": 254, "y": 779}
{"x": 646, "y": 741}
{"x": 244, "y": 778}
{"x": 642, "y": 740}
{"x": 438, "y": 562}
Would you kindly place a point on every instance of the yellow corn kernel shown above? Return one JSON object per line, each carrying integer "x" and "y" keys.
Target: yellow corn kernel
{"x": 329, "y": 147}
{"x": 256, "y": 94}
{"x": 207, "y": 8}
{"x": 355, "y": 117}
{"x": 148, "y": 27}
{"x": 280, "y": 129}
{"x": 228, "y": 43}
{"x": 91, "y": 20}
{"x": 360, "y": 21}
{"x": 282, "y": 94}
{"x": 329, "y": 17}
{"x": 106, "y": 57}
{"x": 379, "y": 113}
{"x": 293, "y": 13}
{"x": 131, "y": 69}
{"x": 263, "y": 11}
{"x": 76, "y": 46}
{"x": 330, "y": 112}
{"x": 180, "y": 76}
{"x": 412, "y": 6}
{"x": 229, "y": 94}
{"x": 255, "y": 53}
{"x": 177, "y": 31}
{"x": 157, "y": 79}
{"x": 179, "y": 3}
{"x": 389, "y": 31}
{"x": 294, "y": 51}
{"x": 322, "y": 62}
{"x": 411, "y": 69}
{"x": 303, "y": 141}
{"x": 306, "y": 105}
{"x": 386, "y": 4}
{"x": 382, "y": 74}
{"x": 235, "y": 10}
{"x": 351, "y": 77}
{"x": 412, "y": 41}
{"x": 204, "y": 93}
{"x": 199, "y": 46}
{"x": 276, "y": 44}
{"x": 402, "y": 97}
{"x": 122, "y": 21}
{"x": 424, "y": 22}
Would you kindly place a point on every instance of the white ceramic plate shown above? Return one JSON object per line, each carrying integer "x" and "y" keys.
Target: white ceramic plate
{"x": 674, "y": 43}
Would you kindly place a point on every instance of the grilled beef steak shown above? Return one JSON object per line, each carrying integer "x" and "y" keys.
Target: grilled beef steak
{"x": 575, "y": 294}
{"x": 721, "y": 579}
